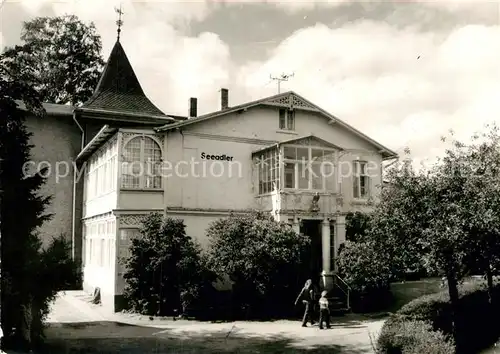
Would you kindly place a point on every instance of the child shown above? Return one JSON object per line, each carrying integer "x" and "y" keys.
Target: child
{"x": 324, "y": 311}
{"x": 307, "y": 297}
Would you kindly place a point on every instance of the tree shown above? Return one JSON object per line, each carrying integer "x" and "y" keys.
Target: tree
{"x": 21, "y": 209}
{"x": 449, "y": 241}
{"x": 397, "y": 221}
{"x": 165, "y": 269}
{"x": 356, "y": 225}
{"x": 423, "y": 213}
{"x": 64, "y": 59}
{"x": 261, "y": 257}
{"x": 478, "y": 163}
{"x": 25, "y": 298}
{"x": 55, "y": 271}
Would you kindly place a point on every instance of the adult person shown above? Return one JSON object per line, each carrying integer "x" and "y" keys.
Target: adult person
{"x": 307, "y": 297}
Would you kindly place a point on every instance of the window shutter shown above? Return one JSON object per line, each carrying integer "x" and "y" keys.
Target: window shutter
{"x": 371, "y": 187}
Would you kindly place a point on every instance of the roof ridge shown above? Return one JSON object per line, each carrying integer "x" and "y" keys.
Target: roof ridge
{"x": 262, "y": 101}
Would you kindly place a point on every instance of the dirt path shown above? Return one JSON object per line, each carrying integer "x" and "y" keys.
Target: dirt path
{"x": 78, "y": 327}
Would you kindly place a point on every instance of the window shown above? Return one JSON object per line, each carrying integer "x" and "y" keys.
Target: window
{"x": 361, "y": 180}
{"x": 91, "y": 251}
{"x": 268, "y": 169}
{"x": 308, "y": 168}
{"x": 84, "y": 244}
{"x": 329, "y": 181}
{"x": 289, "y": 175}
{"x": 141, "y": 164}
{"x": 102, "y": 252}
{"x": 87, "y": 251}
{"x": 152, "y": 156}
{"x": 282, "y": 119}
{"x": 111, "y": 255}
{"x": 109, "y": 176}
{"x": 286, "y": 119}
{"x": 112, "y": 237}
{"x": 100, "y": 173}
{"x": 112, "y": 173}
{"x": 95, "y": 182}
{"x": 126, "y": 236}
{"x": 104, "y": 178}
{"x": 101, "y": 231}
{"x": 131, "y": 171}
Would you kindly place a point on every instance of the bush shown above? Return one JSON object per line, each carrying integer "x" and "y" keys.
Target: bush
{"x": 432, "y": 308}
{"x": 54, "y": 270}
{"x": 58, "y": 271}
{"x": 356, "y": 226}
{"x": 367, "y": 273}
{"x": 474, "y": 312}
{"x": 262, "y": 258}
{"x": 166, "y": 271}
{"x": 413, "y": 337}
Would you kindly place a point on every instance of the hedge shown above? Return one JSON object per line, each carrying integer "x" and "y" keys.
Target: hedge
{"x": 425, "y": 324}
{"x": 413, "y": 337}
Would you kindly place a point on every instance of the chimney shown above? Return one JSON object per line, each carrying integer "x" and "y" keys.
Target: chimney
{"x": 224, "y": 98}
{"x": 193, "y": 107}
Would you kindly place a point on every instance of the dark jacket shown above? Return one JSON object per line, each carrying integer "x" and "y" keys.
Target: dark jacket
{"x": 306, "y": 295}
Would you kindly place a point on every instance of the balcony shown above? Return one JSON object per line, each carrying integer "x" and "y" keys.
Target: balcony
{"x": 289, "y": 176}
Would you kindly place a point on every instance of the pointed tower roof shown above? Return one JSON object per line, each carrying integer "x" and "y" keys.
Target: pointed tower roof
{"x": 119, "y": 89}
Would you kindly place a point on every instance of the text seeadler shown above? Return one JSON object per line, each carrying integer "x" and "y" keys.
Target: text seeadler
{"x": 224, "y": 157}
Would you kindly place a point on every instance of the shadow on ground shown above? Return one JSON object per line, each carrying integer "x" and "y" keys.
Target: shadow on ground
{"x": 114, "y": 337}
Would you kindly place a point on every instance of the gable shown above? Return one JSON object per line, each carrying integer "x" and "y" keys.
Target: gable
{"x": 311, "y": 141}
{"x": 259, "y": 122}
{"x": 306, "y": 141}
{"x": 260, "y": 125}
{"x": 289, "y": 100}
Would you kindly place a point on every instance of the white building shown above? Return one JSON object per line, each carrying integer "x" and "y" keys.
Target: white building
{"x": 237, "y": 159}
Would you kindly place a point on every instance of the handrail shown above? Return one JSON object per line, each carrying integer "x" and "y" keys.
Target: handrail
{"x": 348, "y": 292}
{"x": 343, "y": 281}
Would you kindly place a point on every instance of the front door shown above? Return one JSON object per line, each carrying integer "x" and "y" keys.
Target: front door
{"x": 314, "y": 258}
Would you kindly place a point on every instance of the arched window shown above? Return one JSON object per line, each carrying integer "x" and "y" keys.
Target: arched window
{"x": 141, "y": 163}
{"x": 131, "y": 169}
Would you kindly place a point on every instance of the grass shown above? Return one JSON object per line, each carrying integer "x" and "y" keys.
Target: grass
{"x": 404, "y": 292}
{"x": 493, "y": 350}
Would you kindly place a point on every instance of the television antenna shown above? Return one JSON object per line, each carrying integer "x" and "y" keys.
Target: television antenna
{"x": 282, "y": 78}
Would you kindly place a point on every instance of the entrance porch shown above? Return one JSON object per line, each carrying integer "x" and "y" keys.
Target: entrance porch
{"x": 326, "y": 235}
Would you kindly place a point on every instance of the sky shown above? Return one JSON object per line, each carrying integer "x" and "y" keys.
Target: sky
{"x": 405, "y": 73}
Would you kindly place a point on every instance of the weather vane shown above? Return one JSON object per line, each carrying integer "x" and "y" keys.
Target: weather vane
{"x": 119, "y": 22}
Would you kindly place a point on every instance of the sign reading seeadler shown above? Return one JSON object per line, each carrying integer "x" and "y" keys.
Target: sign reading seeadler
{"x": 224, "y": 157}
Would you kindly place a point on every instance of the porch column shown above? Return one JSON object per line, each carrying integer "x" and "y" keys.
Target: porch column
{"x": 296, "y": 225}
{"x": 340, "y": 234}
{"x": 325, "y": 243}
{"x": 326, "y": 276}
